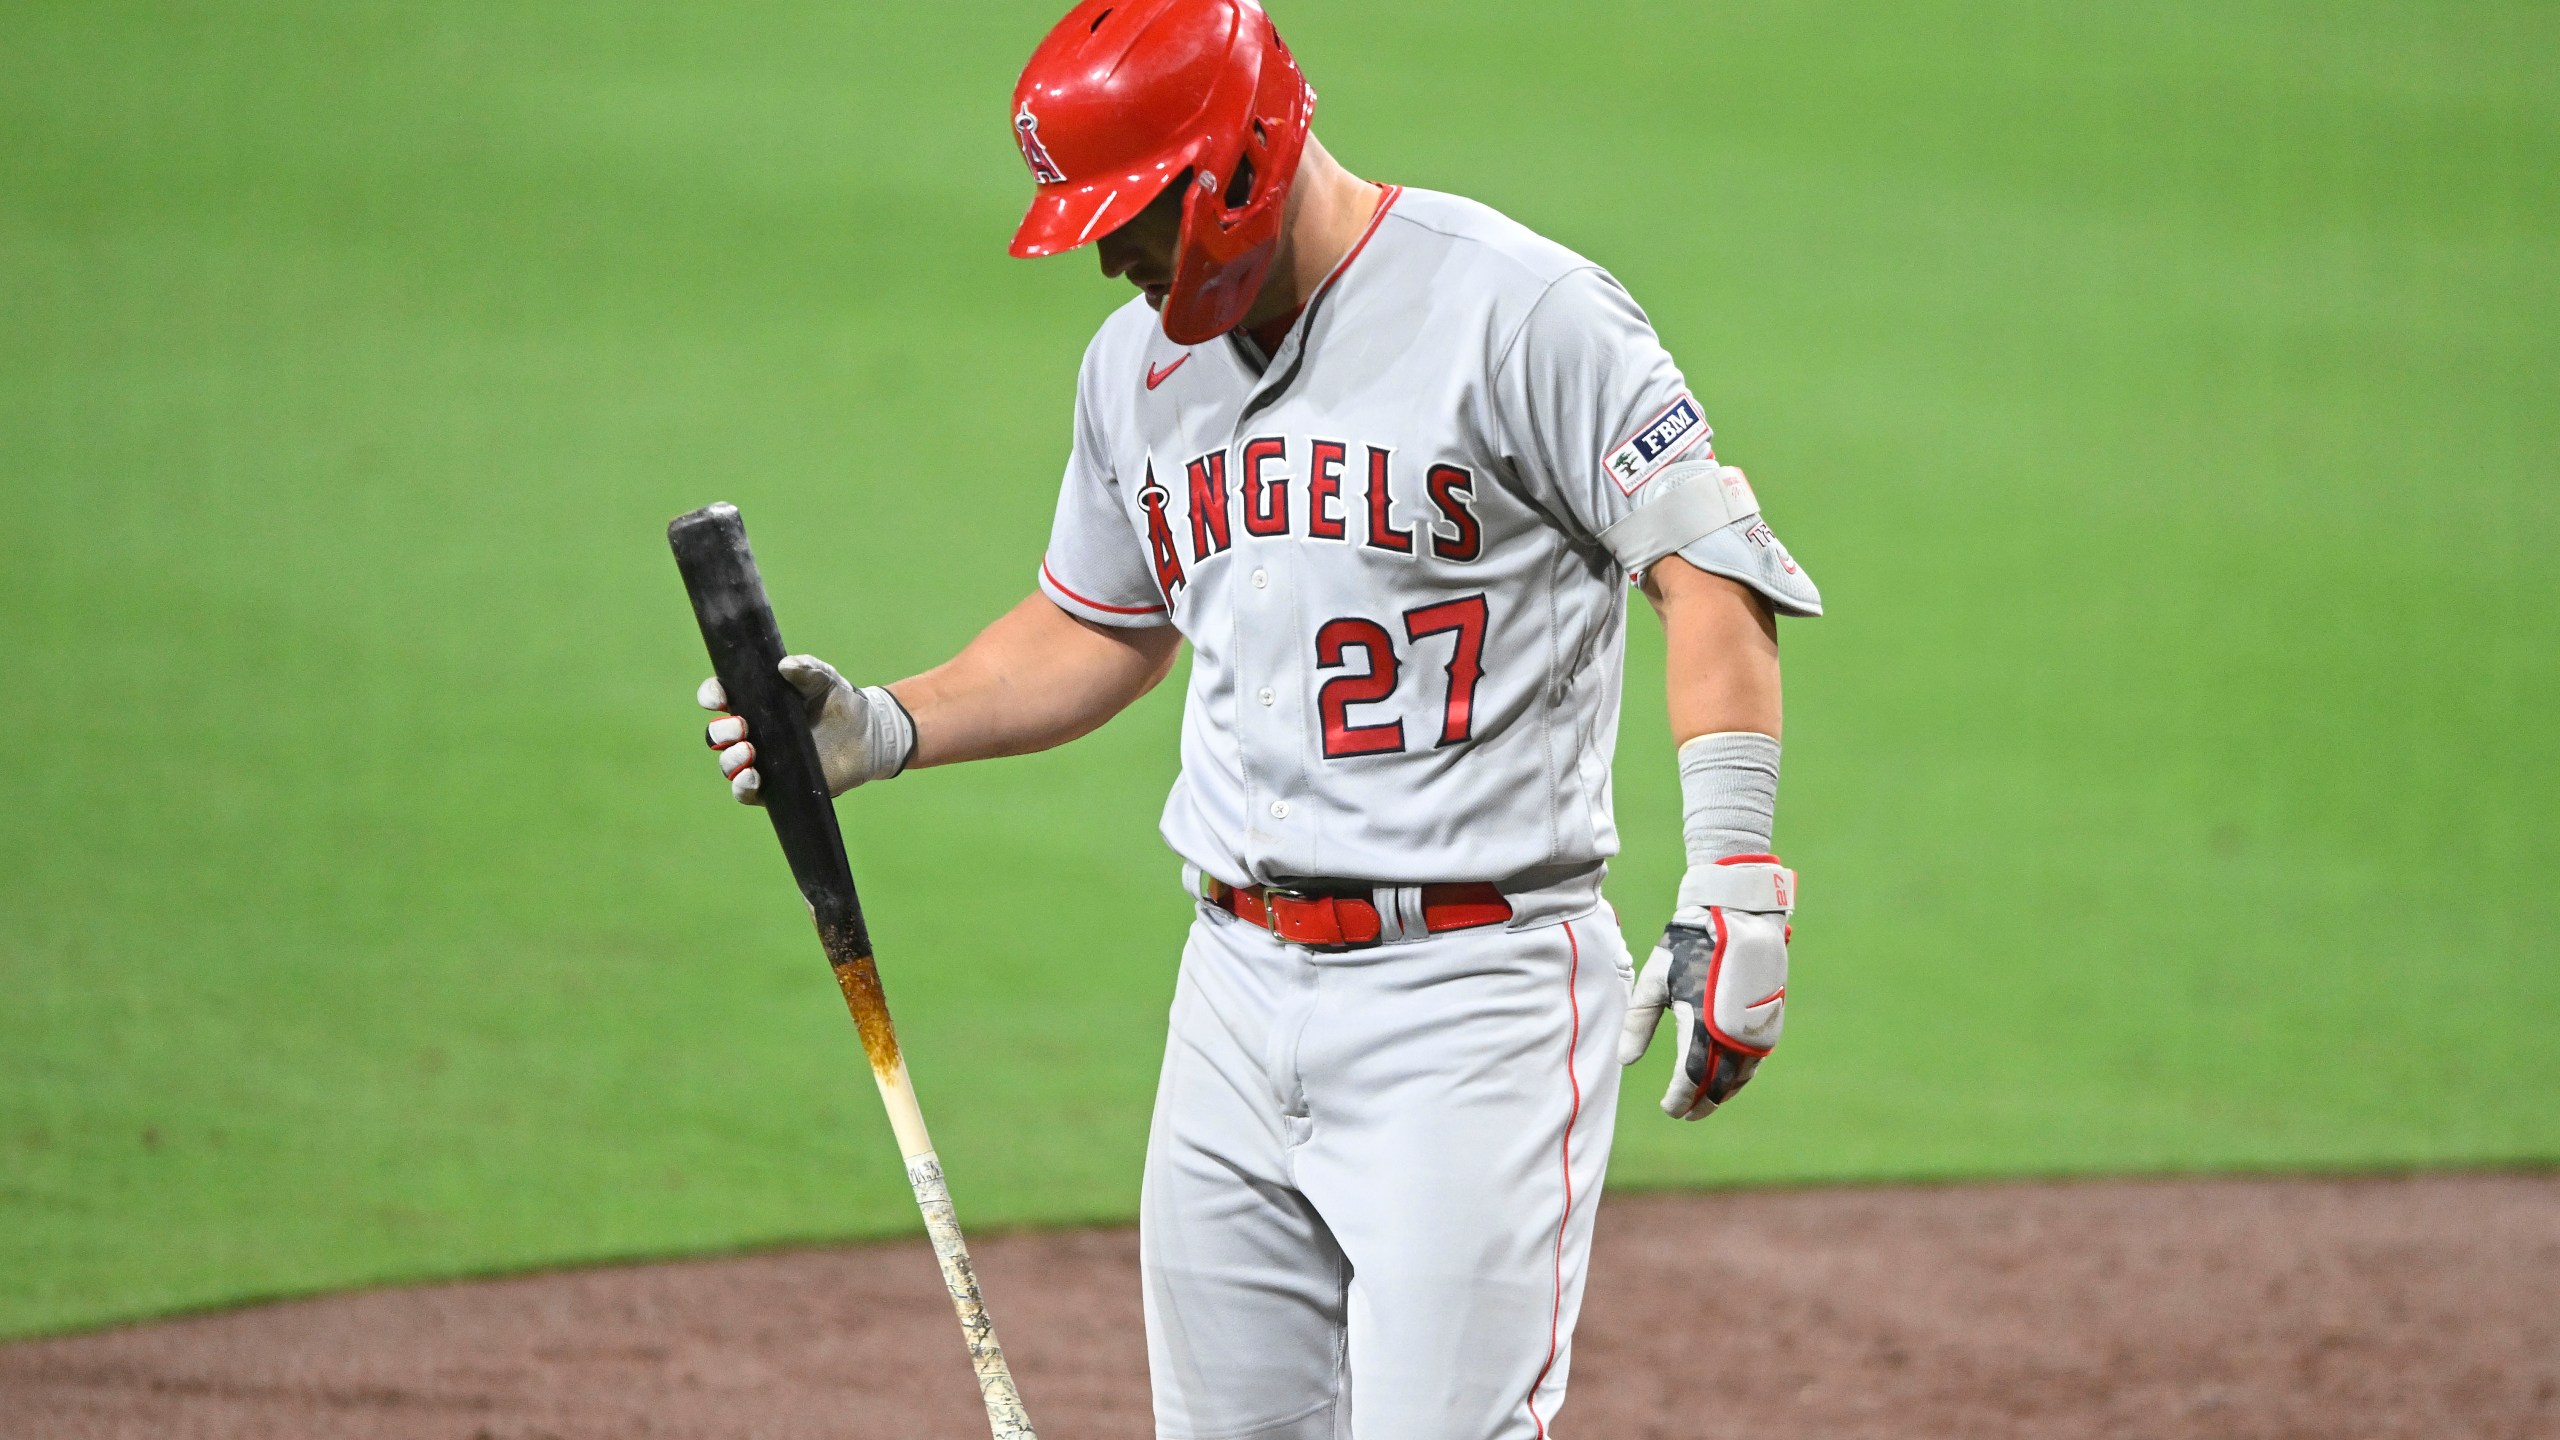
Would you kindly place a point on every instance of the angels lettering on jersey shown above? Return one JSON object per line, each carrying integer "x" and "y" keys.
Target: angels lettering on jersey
{"x": 1272, "y": 486}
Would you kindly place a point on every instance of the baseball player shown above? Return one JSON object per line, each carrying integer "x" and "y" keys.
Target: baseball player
{"x": 1388, "y": 461}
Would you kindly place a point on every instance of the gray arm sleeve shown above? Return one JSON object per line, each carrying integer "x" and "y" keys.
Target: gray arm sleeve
{"x": 1728, "y": 795}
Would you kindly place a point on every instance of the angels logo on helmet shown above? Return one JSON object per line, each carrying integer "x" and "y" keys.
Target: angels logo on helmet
{"x": 1026, "y": 129}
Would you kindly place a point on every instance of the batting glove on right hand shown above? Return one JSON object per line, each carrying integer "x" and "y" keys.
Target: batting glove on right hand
{"x": 863, "y": 734}
{"x": 1721, "y": 970}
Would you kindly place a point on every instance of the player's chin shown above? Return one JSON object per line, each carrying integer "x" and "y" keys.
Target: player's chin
{"x": 1155, "y": 295}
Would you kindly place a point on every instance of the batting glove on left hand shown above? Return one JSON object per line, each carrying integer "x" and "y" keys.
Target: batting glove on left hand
{"x": 1721, "y": 970}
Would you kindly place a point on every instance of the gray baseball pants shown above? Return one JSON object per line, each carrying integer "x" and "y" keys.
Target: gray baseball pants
{"x": 1371, "y": 1178}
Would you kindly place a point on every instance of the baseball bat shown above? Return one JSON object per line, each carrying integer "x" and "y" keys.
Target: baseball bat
{"x": 746, "y": 645}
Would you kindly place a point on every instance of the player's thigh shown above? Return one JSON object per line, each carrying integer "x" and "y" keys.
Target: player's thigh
{"x": 1244, "y": 1284}
{"x": 1459, "y": 1155}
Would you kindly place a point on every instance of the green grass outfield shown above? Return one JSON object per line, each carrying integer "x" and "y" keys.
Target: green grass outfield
{"x": 2163, "y": 394}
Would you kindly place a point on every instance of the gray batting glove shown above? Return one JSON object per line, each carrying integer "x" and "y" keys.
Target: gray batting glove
{"x": 863, "y": 734}
{"x": 1721, "y": 970}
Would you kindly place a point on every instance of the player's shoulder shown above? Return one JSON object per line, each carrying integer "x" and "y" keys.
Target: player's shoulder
{"x": 1497, "y": 250}
{"x": 1524, "y": 285}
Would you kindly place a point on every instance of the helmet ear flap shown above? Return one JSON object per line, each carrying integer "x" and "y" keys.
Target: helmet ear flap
{"x": 1220, "y": 263}
{"x": 1282, "y": 110}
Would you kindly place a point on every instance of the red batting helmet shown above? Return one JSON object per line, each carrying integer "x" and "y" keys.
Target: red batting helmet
{"x": 1123, "y": 98}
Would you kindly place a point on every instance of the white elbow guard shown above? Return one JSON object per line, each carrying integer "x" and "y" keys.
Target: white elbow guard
{"x": 1691, "y": 500}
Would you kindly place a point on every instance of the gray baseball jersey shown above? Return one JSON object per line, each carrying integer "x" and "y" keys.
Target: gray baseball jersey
{"x": 1400, "y": 551}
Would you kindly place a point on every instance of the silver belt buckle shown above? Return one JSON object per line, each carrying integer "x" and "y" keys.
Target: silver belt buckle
{"x": 1271, "y": 912}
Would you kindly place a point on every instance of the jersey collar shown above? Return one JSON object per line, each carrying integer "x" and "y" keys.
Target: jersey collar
{"x": 1283, "y": 361}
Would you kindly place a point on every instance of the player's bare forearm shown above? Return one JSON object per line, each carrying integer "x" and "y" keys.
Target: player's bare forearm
{"x": 1721, "y": 639}
{"x": 1036, "y": 678}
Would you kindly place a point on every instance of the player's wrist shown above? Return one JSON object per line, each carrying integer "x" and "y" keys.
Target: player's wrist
{"x": 1728, "y": 795}
{"x": 893, "y": 731}
{"x": 1750, "y": 884}
{"x": 864, "y": 734}
{"x": 867, "y": 738}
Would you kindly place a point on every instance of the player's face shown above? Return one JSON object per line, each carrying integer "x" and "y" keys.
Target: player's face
{"x": 1142, "y": 250}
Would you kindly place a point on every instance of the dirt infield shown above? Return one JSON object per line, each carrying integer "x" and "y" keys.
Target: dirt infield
{"x": 2228, "y": 1309}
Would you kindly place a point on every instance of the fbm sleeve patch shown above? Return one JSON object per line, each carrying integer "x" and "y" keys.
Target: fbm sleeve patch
{"x": 1662, "y": 439}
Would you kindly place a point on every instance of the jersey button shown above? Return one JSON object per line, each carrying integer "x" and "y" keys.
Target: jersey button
{"x": 1279, "y": 809}
{"x": 1264, "y": 695}
{"x": 1261, "y": 580}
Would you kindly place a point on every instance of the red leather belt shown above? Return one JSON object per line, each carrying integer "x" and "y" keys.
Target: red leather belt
{"x": 1351, "y": 921}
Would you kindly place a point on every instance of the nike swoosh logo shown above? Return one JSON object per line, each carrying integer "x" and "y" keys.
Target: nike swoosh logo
{"x": 1156, "y": 377}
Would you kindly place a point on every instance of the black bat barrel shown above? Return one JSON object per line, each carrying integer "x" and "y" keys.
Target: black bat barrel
{"x": 746, "y": 645}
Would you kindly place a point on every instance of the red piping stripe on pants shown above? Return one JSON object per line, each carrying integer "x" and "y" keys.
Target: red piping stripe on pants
{"x": 1573, "y": 1042}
